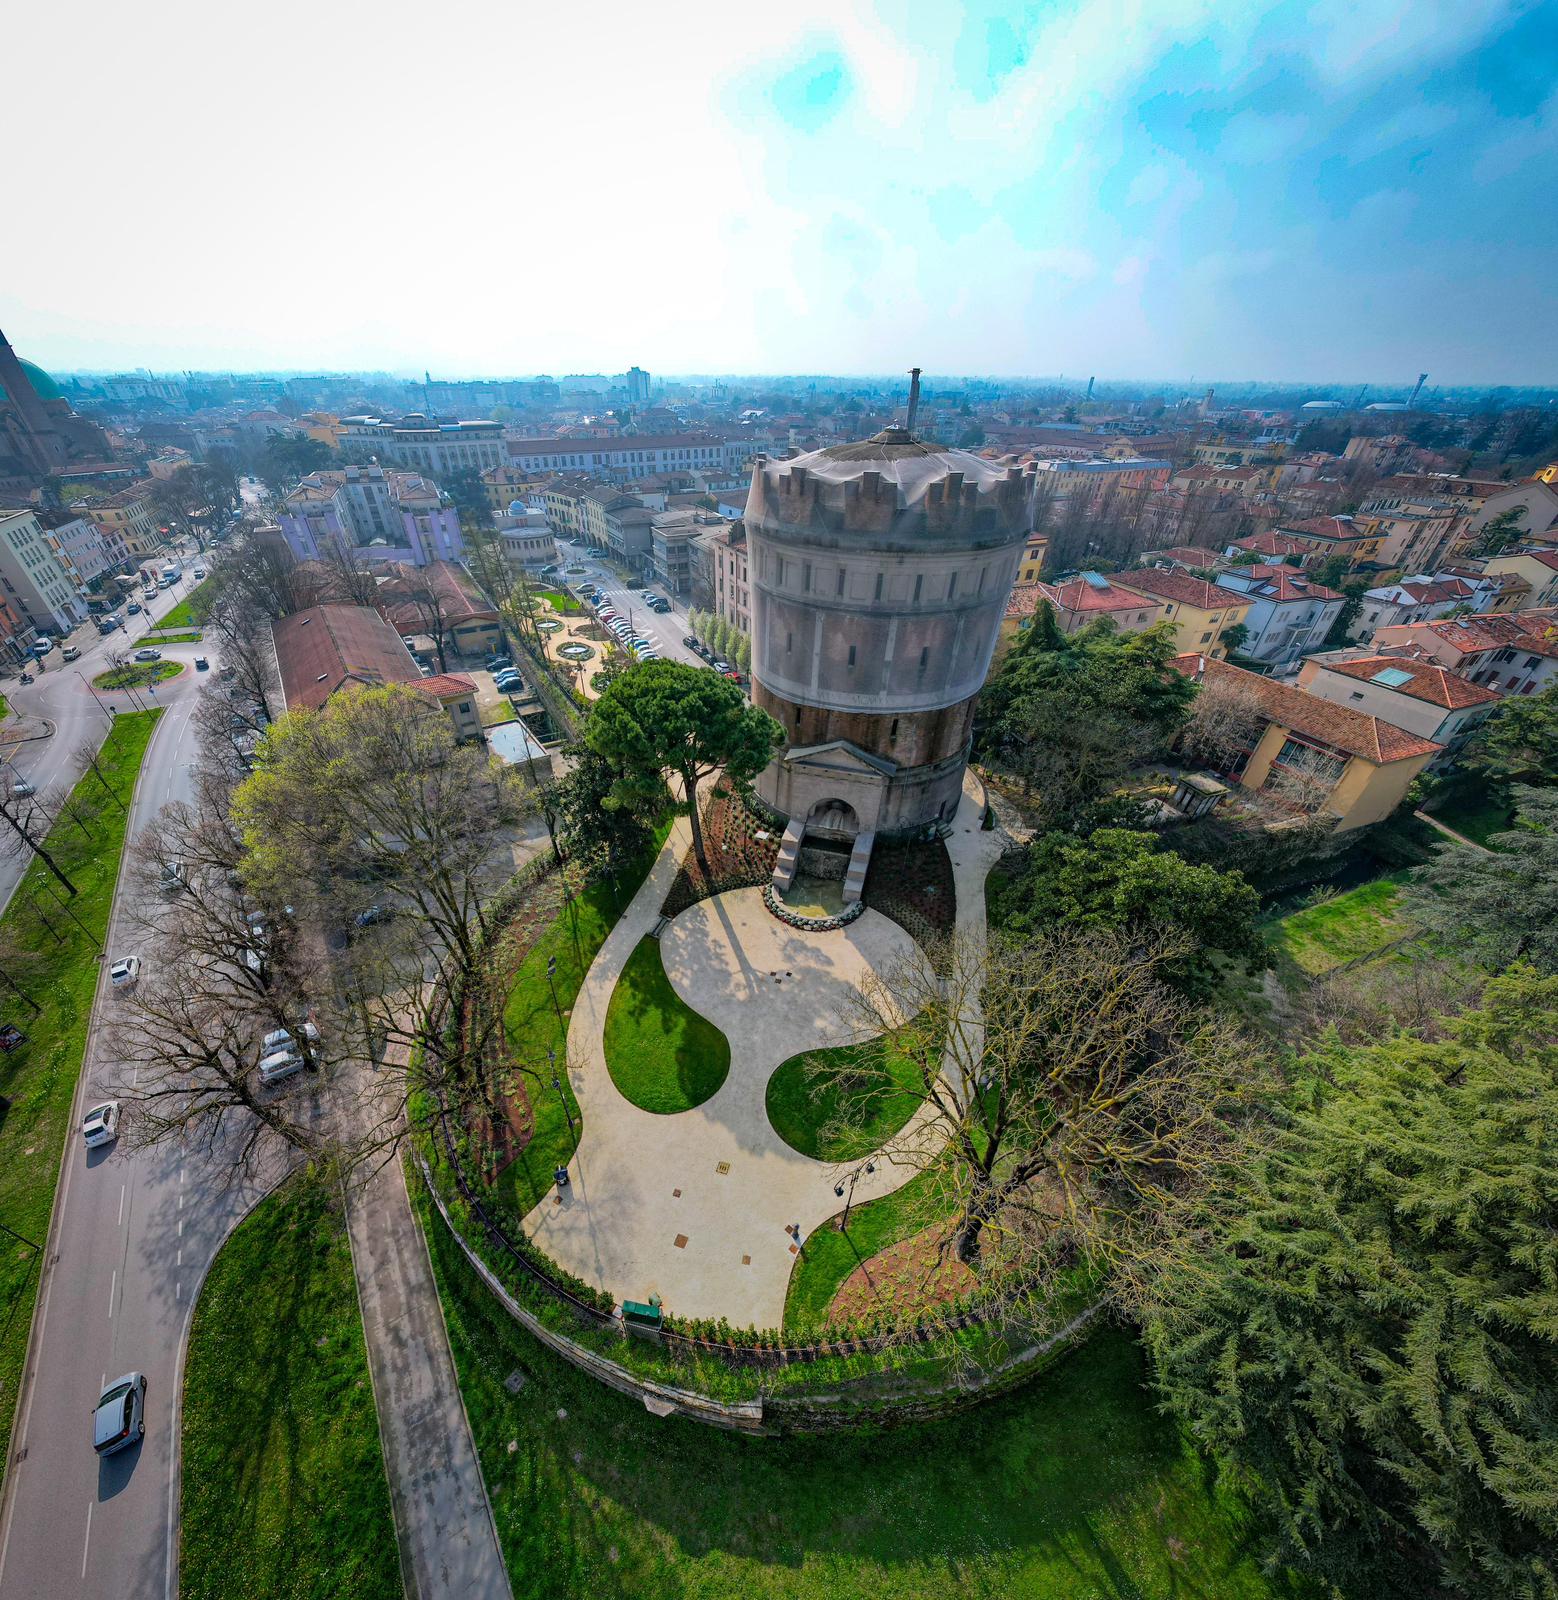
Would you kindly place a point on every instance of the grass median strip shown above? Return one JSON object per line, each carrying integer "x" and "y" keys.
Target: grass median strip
{"x": 661, "y": 1054}
{"x": 1070, "y": 1488}
{"x": 52, "y": 975}
{"x": 284, "y": 1492}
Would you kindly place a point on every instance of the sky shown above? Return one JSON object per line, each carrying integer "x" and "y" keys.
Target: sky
{"x": 1337, "y": 190}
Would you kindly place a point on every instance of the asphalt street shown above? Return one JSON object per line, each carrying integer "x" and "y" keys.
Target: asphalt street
{"x": 667, "y": 630}
{"x": 131, "y": 1237}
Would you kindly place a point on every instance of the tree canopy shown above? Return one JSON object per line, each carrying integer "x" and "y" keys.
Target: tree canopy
{"x": 666, "y": 717}
{"x": 1371, "y": 1328}
{"x": 1519, "y": 742}
{"x": 1501, "y": 905}
{"x": 1070, "y": 715}
{"x": 1116, "y": 878}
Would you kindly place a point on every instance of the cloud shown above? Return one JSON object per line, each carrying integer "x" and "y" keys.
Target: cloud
{"x": 1252, "y": 138}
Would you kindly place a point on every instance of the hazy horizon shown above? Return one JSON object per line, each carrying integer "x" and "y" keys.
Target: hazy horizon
{"x": 1340, "y": 193}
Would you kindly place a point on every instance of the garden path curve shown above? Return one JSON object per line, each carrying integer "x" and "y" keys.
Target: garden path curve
{"x": 717, "y": 1248}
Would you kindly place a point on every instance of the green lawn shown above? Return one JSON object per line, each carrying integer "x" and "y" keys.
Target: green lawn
{"x": 799, "y": 1110}
{"x": 133, "y": 674}
{"x": 532, "y": 1028}
{"x": 502, "y": 712}
{"x": 1340, "y": 929}
{"x": 284, "y": 1493}
{"x": 1473, "y": 810}
{"x": 5, "y": 708}
{"x": 830, "y": 1256}
{"x": 183, "y": 614}
{"x": 158, "y": 637}
{"x": 661, "y": 1054}
{"x": 1073, "y": 1488}
{"x": 564, "y": 603}
{"x": 57, "y": 966}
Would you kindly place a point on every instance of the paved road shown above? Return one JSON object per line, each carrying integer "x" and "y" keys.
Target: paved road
{"x": 667, "y": 631}
{"x": 62, "y": 697}
{"x": 130, "y": 1240}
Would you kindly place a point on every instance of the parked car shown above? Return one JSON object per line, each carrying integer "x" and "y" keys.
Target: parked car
{"x": 201, "y": 664}
{"x": 22, "y": 789}
{"x": 71, "y": 653}
{"x": 147, "y": 653}
{"x": 373, "y": 914}
{"x": 424, "y": 669}
{"x": 721, "y": 665}
{"x": 498, "y": 663}
{"x": 119, "y": 1417}
{"x": 122, "y": 974}
{"x": 227, "y": 673}
{"x": 280, "y": 1064}
{"x": 42, "y": 645}
{"x": 174, "y": 877}
{"x": 284, "y": 1039}
{"x": 407, "y": 640}
{"x": 100, "y": 1125}
{"x": 690, "y": 642}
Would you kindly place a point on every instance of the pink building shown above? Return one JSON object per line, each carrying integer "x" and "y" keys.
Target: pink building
{"x": 375, "y": 514}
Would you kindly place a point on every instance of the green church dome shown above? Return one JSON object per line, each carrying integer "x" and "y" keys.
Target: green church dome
{"x": 43, "y": 385}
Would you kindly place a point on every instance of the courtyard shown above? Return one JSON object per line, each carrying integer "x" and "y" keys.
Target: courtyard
{"x": 693, "y": 1205}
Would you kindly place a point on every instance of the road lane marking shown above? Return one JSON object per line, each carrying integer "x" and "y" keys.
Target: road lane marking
{"x": 86, "y": 1544}
{"x": 121, "y": 1206}
{"x": 113, "y": 1284}
{"x": 181, "y": 1227}
{"x": 180, "y": 1261}
{"x": 178, "y": 1289}
{"x": 181, "y": 1202}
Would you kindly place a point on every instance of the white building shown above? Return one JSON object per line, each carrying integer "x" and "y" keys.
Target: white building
{"x": 86, "y": 550}
{"x": 527, "y": 538}
{"x": 376, "y": 515}
{"x": 636, "y": 455}
{"x": 1418, "y": 599}
{"x": 437, "y": 448}
{"x": 37, "y": 583}
{"x": 1289, "y": 614}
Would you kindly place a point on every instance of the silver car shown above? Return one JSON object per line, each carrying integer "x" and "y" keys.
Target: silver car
{"x": 280, "y": 1064}
{"x": 119, "y": 1418}
{"x": 100, "y": 1125}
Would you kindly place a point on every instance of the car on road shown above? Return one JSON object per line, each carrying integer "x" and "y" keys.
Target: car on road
{"x": 201, "y": 664}
{"x": 174, "y": 877}
{"x": 71, "y": 652}
{"x": 21, "y": 789}
{"x": 100, "y": 1125}
{"x": 200, "y": 572}
{"x": 147, "y": 653}
{"x": 119, "y": 1417}
{"x": 134, "y": 608}
{"x": 25, "y": 677}
{"x": 122, "y": 974}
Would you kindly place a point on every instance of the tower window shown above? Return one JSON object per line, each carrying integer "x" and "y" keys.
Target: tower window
{"x": 952, "y": 587}
{"x": 919, "y": 584}
{"x": 924, "y": 658}
{"x": 840, "y": 588}
{"x": 806, "y": 577}
{"x": 892, "y": 732}
{"x": 789, "y": 642}
{"x": 878, "y": 594}
{"x": 852, "y": 655}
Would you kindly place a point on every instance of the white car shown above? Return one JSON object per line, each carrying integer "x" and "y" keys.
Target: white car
{"x": 21, "y": 789}
{"x": 122, "y": 974}
{"x": 119, "y": 1417}
{"x": 282, "y": 1039}
{"x": 148, "y": 654}
{"x": 280, "y": 1064}
{"x": 100, "y": 1125}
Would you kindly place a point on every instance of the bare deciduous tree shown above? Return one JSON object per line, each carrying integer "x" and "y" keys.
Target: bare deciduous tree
{"x": 1226, "y": 723}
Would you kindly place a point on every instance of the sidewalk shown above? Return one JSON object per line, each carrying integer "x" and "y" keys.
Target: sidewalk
{"x": 448, "y": 1545}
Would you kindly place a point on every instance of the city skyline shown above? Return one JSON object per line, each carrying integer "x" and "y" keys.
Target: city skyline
{"x": 1320, "y": 193}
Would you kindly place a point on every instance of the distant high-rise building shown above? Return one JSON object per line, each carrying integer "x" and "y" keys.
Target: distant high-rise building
{"x": 637, "y": 381}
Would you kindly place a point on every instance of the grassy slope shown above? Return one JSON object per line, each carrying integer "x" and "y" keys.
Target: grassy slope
{"x": 532, "y": 1028}
{"x": 830, "y": 1256}
{"x": 1340, "y": 929}
{"x": 1475, "y": 811}
{"x": 39, "y": 1079}
{"x": 284, "y": 1492}
{"x": 800, "y": 1110}
{"x": 661, "y": 1054}
{"x": 1070, "y": 1489}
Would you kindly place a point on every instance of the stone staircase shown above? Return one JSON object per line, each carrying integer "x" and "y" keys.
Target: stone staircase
{"x": 859, "y": 860}
{"x": 789, "y": 855}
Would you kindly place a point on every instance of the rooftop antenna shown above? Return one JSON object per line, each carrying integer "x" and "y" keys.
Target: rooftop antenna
{"x": 914, "y": 398}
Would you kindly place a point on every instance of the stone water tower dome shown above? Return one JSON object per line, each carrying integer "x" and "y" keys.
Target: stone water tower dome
{"x": 880, "y": 573}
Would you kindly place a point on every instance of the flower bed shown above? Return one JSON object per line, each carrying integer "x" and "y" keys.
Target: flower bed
{"x": 738, "y": 859}
{"x": 912, "y": 883}
{"x": 798, "y": 919}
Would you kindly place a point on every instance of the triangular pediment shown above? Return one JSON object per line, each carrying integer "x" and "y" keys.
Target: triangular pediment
{"x": 839, "y": 755}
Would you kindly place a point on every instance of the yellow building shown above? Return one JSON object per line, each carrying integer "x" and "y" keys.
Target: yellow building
{"x": 1539, "y": 568}
{"x": 321, "y": 425}
{"x": 1032, "y": 563}
{"x": 1312, "y": 756}
{"x": 504, "y": 485}
{"x": 126, "y": 516}
{"x": 1200, "y": 611}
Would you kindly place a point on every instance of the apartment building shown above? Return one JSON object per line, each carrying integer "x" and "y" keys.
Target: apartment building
{"x": 1516, "y": 654}
{"x": 39, "y": 591}
{"x": 375, "y": 514}
{"x": 126, "y": 518}
{"x": 1084, "y": 599}
{"x": 439, "y": 449}
{"x": 1423, "y": 697}
{"x": 635, "y": 456}
{"x": 729, "y": 594}
{"x": 1200, "y": 611}
{"x": 1289, "y": 614}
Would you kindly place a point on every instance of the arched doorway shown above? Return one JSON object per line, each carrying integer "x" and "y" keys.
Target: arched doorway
{"x": 833, "y": 819}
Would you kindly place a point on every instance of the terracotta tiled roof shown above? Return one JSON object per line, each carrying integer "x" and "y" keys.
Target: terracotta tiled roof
{"x": 1324, "y": 528}
{"x": 445, "y": 685}
{"x": 1533, "y": 631}
{"x": 1271, "y": 544}
{"x": 1355, "y": 732}
{"x": 1079, "y": 595}
{"x": 1428, "y": 680}
{"x": 324, "y": 647}
{"x": 1284, "y": 583}
{"x": 1182, "y": 588}
{"x": 1185, "y": 555}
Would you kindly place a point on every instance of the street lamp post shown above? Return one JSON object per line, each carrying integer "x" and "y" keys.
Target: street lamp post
{"x": 557, "y": 1084}
{"x": 838, "y": 1189}
{"x": 551, "y": 974}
